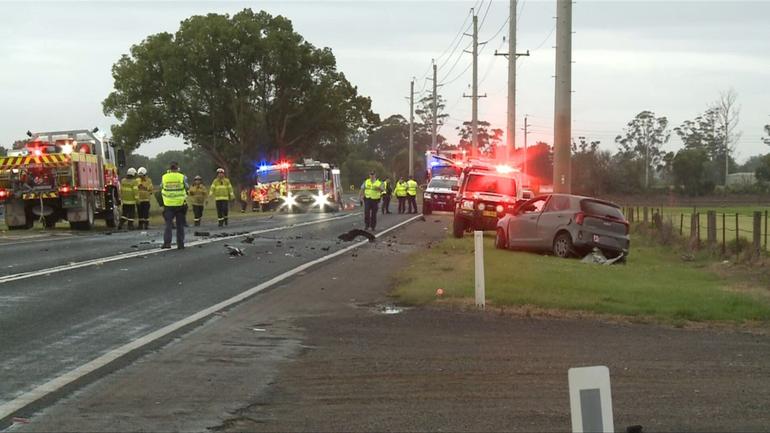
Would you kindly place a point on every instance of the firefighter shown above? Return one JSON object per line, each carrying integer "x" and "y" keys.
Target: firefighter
{"x": 411, "y": 192}
{"x": 387, "y": 191}
{"x": 198, "y": 194}
{"x": 173, "y": 188}
{"x": 222, "y": 191}
{"x": 144, "y": 190}
{"x": 128, "y": 189}
{"x": 244, "y": 198}
{"x": 400, "y": 193}
{"x": 370, "y": 192}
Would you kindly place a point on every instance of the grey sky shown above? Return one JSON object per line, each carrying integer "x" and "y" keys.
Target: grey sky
{"x": 670, "y": 57}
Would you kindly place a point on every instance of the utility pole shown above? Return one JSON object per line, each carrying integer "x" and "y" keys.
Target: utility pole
{"x": 411, "y": 128}
{"x": 435, "y": 109}
{"x": 475, "y": 95}
{"x": 510, "y": 127}
{"x": 562, "y": 123}
{"x": 526, "y": 157}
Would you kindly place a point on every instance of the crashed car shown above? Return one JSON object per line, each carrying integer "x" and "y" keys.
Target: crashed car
{"x": 439, "y": 195}
{"x": 566, "y": 225}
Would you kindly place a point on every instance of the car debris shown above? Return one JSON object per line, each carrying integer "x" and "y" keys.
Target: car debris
{"x": 234, "y": 251}
{"x": 202, "y": 234}
{"x": 351, "y": 235}
{"x": 248, "y": 240}
{"x": 596, "y": 256}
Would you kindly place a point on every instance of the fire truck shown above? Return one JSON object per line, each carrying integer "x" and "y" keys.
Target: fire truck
{"x": 60, "y": 175}
{"x": 269, "y": 186}
{"x": 313, "y": 184}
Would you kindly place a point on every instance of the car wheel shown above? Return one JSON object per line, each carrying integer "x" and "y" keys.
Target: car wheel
{"x": 501, "y": 240}
{"x": 458, "y": 227}
{"x": 562, "y": 245}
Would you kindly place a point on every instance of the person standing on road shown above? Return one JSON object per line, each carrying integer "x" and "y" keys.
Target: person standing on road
{"x": 173, "y": 188}
{"x": 128, "y": 190}
{"x": 244, "y": 198}
{"x": 144, "y": 190}
{"x": 198, "y": 194}
{"x": 222, "y": 190}
{"x": 387, "y": 192}
{"x": 400, "y": 193}
{"x": 371, "y": 190}
{"x": 411, "y": 191}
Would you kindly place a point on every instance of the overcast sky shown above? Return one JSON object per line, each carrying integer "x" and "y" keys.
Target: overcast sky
{"x": 670, "y": 57}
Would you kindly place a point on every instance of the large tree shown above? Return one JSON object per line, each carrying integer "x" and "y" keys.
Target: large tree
{"x": 590, "y": 168}
{"x": 489, "y": 138}
{"x": 642, "y": 139}
{"x": 689, "y": 170}
{"x": 238, "y": 88}
{"x": 766, "y": 140}
{"x": 425, "y": 112}
{"x": 727, "y": 117}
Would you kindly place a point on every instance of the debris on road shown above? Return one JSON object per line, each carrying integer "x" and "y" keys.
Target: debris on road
{"x": 234, "y": 251}
{"x": 351, "y": 235}
{"x": 259, "y": 329}
{"x": 388, "y": 309}
{"x": 20, "y": 420}
{"x": 203, "y": 234}
{"x": 325, "y": 248}
{"x": 248, "y": 240}
{"x": 597, "y": 257}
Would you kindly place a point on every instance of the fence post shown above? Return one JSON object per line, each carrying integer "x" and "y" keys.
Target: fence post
{"x": 757, "y": 232}
{"x": 681, "y": 224}
{"x": 737, "y": 236}
{"x": 478, "y": 238}
{"x": 646, "y": 211}
{"x": 765, "y": 230}
{"x": 694, "y": 230}
{"x": 711, "y": 227}
{"x": 724, "y": 233}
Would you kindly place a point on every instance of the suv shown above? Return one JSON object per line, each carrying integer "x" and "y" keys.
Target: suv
{"x": 484, "y": 195}
{"x": 439, "y": 195}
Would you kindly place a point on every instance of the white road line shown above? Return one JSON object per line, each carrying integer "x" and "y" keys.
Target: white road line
{"x": 8, "y": 409}
{"x": 102, "y": 260}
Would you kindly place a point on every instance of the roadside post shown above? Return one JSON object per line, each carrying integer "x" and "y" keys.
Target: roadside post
{"x": 757, "y": 232}
{"x": 590, "y": 399}
{"x": 478, "y": 241}
{"x": 711, "y": 227}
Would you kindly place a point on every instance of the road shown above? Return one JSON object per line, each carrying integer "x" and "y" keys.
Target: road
{"x": 70, "y": 300}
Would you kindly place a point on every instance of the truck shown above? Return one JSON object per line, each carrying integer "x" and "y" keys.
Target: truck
{"x": 61, "y": 175}
{"x": 269, "y": 186}
{"x": 313, "y": 184}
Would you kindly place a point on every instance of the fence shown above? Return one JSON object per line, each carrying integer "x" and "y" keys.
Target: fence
{"x": 709, "y": 227}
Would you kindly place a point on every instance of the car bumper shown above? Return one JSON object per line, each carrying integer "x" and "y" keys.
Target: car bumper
{"x": 478, "y": 220}
{"x": 586, "y": 241}
{"x": 440, "y": 205}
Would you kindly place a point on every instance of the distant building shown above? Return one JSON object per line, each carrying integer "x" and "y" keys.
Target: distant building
{"x": 741, "y": 179}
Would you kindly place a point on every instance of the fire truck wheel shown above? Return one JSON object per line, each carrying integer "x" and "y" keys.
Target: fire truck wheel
{"x": 50, "y": 221}
{"x": 112, "y": 216}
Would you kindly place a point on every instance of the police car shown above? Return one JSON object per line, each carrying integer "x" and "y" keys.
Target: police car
{"x": 486, "y": 192}
{"x": 439, "y": 195}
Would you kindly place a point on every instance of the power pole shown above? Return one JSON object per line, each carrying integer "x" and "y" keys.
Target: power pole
{"x": 411, "y": 128}
{"x": 526, "y": 157}
{"x": 510, "y": 127}
{"x": 562, "y": 123}
{"x": 475, "y": 95}
{"x": 435, "y": 109}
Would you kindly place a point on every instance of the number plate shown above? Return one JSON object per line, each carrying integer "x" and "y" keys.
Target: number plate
{"x": 596, "y": 239}
{"x": 489, "y": 213}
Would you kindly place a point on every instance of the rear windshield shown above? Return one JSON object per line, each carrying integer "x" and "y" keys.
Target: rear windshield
{"x": 491, "y": 183}
{"x": 442, "y": 183}
{"x": 598, "y": 208}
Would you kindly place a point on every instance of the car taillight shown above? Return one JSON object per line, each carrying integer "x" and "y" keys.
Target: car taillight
{"x": 579, "y": 217}
{"x": 3, "y": 194}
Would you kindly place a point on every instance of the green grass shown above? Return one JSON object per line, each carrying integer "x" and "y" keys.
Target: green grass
{"x": 654, "y": 284}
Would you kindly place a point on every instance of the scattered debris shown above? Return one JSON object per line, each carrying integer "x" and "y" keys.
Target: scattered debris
{"x": 202, "y": 234}
{"x": 259, "y": 329}
{"x": 388, "y": 309}
{"x": 248, "y": 240}
{"x": 597, "y": 257}
{"x": 234, "y": 251}
{"x": 134, "y": 246}
{"x": 351, "y": 235}
{"x": 289, "y": 255}
{"x": 20, "y": 420}
{"x": 146, "y": 242}
{"x": 325, "y": 249}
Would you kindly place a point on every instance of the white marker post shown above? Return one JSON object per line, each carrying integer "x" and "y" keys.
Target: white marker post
{"x": 590, "y": 399}
{"x": 478, "y": 239}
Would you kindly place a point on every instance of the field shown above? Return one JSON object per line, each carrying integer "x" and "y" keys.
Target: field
{"x": 655, "y": 284}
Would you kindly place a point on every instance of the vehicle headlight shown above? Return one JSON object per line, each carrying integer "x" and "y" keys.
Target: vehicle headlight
{"x": 321, "y": 199}
{"x": 427, "y": 195}
{"x": 467, "y": 204}
{"x": 482, "y": 206}
{"x": 499, "y": 208}
{"x": 289, "y": 200}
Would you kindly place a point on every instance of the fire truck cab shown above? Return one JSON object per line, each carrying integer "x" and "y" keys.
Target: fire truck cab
{"x": 311, "y": 185}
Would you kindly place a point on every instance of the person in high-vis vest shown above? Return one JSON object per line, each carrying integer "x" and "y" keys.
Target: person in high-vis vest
{"x": 222, "y": 191}
{"x": 144, "y": 190}
{"x": 173, "y": 189}
{"x": 400, "y": 193}
{"x": 198, "y": 194}
{"x": 371, "y": 191}
{"x": 411, "y": 192}
{"x": 244, "y": 198}
{"x": 128, "y": 189}
{"x": 387, "y": 191}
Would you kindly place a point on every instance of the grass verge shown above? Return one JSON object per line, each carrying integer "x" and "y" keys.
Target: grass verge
{"x": 655, "y": 284}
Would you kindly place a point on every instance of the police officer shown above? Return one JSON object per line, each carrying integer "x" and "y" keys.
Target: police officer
{"x": 173, "y": 188}
{"x": 222, "y": 191}
{"x": 198, "y": 194}
{"x": 128, "y": 189}
{"x": 400, "y": 193}
{"x": 144, "y": 190}
{"x": 371, "y": 190}
{"x": 387, "y": 191}
{"x": 411, "y": 191}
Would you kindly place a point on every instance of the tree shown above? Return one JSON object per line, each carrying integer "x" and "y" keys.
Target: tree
{"x": 642, "y": 139}
{"x": 3, "y": 151}
{"x": 488, "y": 138}
{"x": 766, "y": 140}
{"x": 425, "y": 112}
{"x": 590, "y": 168}
{"x": 727, "y": 118}
{"x": 689, "y": 173}
{"x": 237, "y": 88}
{"x": 763, "y": 169}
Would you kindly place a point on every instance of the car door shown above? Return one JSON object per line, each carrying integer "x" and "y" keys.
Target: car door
{"x": 556, "y": 215}
{"x": 522, "y": 229}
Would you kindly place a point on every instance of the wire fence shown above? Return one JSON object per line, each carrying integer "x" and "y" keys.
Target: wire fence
{"x": 730, "y": 229}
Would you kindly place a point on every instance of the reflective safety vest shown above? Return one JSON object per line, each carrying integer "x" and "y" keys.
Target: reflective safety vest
{"x": 400, "y": 190}
{"x": 411, "y": 187}
{"x": 221, "y": 189}
{"x": 128, "y": 190}
{"x": 372, "y": 189}
{"x": 244, "y": 195}
{"x": 198, "y": 195}
{"x": 172, "y": 189}
{"x": 144, "y": 189}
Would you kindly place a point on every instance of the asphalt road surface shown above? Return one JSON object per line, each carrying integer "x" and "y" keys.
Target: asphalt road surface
{"x": 68, "y": 299}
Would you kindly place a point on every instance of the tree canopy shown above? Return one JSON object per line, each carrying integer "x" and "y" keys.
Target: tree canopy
{"x": 239, "y": 88}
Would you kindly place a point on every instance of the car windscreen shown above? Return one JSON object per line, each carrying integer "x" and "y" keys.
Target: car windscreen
{"x": 597, "y": 208}
{"x": 491, "y": 183}
{"x": 269, "y": 176}
{"x": 442, "y": 183}
{"x": 444, "y": 170}
{"x": 306, "y": 176}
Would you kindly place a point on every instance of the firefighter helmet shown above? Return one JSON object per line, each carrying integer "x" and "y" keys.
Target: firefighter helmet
{"x": 131, "y": 171}
{"x": 142, "y": 171}
{"x": 220, "y": 170}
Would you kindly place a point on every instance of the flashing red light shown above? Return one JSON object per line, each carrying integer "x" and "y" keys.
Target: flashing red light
{"x": 65, "y": 189}
{"x": 3, "y": 194}
{"x": 38, "y": 152}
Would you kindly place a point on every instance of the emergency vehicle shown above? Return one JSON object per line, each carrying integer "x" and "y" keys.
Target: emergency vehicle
{"x": 311, "y": 185}
{"x": 270, "y": 186}
{"x": 61, "y": 175}
{"x": 444, "y": 163}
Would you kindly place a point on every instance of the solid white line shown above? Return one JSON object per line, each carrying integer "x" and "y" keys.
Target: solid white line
{"x": 9, "y": 408}
{"x": 102, "y": 260}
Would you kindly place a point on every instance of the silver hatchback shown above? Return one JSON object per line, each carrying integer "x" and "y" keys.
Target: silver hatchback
{"x": 566, "y": 225}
